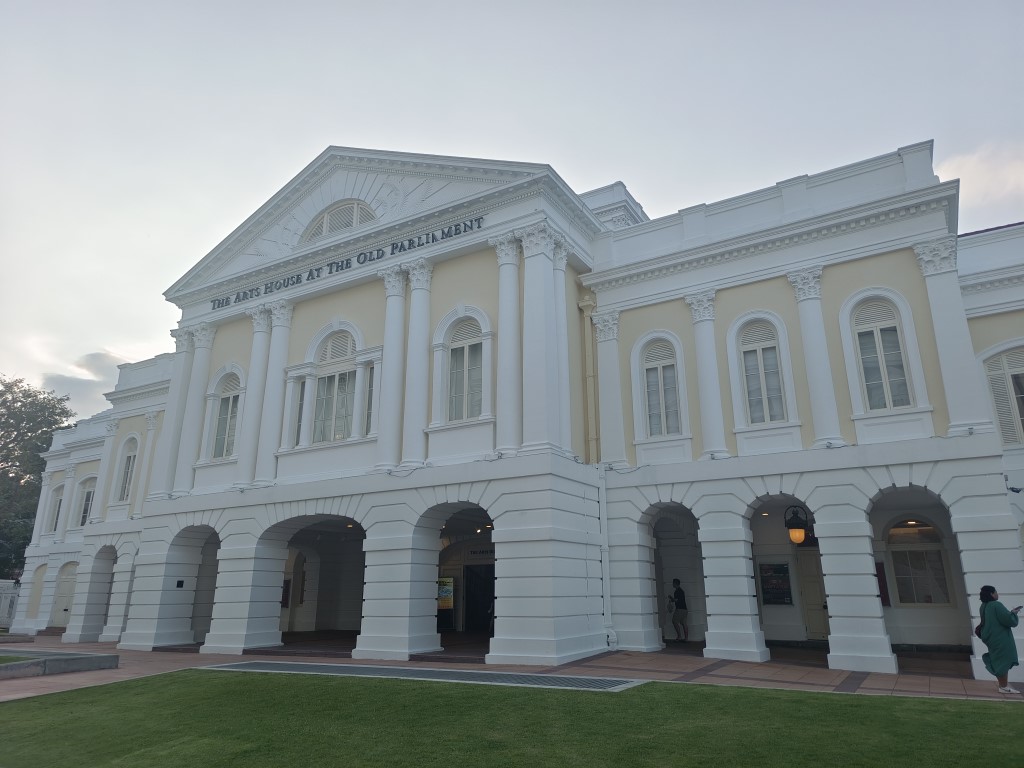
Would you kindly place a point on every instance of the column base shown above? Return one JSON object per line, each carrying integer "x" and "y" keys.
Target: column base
{"x": 738, "y": 646}
{"x": 395, "y": 647}
{"x": 235, "y": 644}
{"x": 863, "y": 663}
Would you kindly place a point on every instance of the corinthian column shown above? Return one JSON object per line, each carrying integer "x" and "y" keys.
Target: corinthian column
{"x": 966, "y": 392}
{"x": 539, "y": 373}
{"x": 702, "y": 306}
{"x": 824, "y": 411}
{"x": 273, "y": 396}
{"x": 192, "y": 419}
{"x": 613, "y": 437}
{"x": 389, "y": 434}
{"x": 562, "y": 346}
{"x": 252, "y": 406}
{"x": 509, "y": 428}
{"x": 166, "y": 456}
{"x": 417, "y": 362}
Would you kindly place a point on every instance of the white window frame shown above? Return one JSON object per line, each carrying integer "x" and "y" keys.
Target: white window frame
{"x": 87, "y": 494}
{"x": 940, "y": 546}
{"x": 126, "y": 470}
{"x": 914, "y": 421}
{"x": 233, "y": 399}
{"x": 770, "y": 436}
{"x": 1001, "y": 364}
{"x": 660, "y": 448}
{"x": 55, "y": 505}
{"x": 300, "y": 405}
{"x": 319, "y": 225}
{"x": 214, "y": 395}
{"x": 441, "y": 345}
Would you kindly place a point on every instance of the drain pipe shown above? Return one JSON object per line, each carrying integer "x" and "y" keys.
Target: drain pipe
{"x": 606, "y": 569}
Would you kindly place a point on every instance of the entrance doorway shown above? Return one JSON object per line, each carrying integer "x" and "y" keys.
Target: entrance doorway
{"x": 64, "y": 595}
{"x": 479, "y": 603}
{"x": 812, "y": 593}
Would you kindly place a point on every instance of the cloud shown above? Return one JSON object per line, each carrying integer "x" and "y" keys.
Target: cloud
{"x": 991, "y": 184}
{"x": 99, "y": 376}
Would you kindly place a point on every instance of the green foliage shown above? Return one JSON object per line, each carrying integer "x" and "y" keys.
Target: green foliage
{"x": 227, "y": 719}
{"x": 28, "y": 418}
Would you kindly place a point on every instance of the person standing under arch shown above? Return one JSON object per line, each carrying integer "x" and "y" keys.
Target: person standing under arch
{"x": 678, "y": 606}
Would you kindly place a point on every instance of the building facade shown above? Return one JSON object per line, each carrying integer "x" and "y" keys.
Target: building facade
{"x": 416, "y": 394}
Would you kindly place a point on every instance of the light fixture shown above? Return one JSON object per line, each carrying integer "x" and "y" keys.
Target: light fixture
{"x": 797, "y": 523}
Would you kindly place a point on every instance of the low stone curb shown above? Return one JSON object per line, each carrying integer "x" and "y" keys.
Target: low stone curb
{"x": 36, "y": 666}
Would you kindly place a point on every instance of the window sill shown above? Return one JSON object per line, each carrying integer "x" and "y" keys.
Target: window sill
{"x": 768, "y": 438}
{"x": 664, "y": 449}
{"x": 454, "y": 425}
{"x": 891, "y": 426}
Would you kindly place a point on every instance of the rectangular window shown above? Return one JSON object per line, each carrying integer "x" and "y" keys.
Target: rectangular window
{"x": 227, "y": 418}
{"x": 1018, "y": 396}
{"x": 56, "y": 512}
{"x": 333, "y": 412}
{"x": 457, "y": 384}
{"x": 369, "y": 400}
{"x": 298, "y": 415}
{"x": 872, "y": 369}
{"x": 920, "y": 576}
{"x": 86, "y": 506}
{"x": 126, "y": 477}
{"x": 654, "y": 423}
{"x": 894, "y": 372}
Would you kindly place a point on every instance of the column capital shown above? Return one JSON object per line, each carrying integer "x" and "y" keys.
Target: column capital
{"x": 561, "y": 253}
{"x": 182, "y": 339}
{"x": 936, "y": 256}
{"x": 507, "y": 248}
{"x": 394, "y": 280}
{"x": 202, "y": 335}
{"x": 537, "y": 239}
{"x": 260, "y": 319}
{"x": 151, "y": 417}
{"x": 111, "y": 427}
{"x": 419, "y": 274}
{"x": 280, "y": 313}
{"x": 607, "y": 325}
{"x": 69, "y": 472}
{"x": 806, "y": 283}
{"x": 702, "y": 305}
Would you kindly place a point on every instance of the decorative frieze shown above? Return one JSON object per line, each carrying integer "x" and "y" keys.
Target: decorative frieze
{"x": 607, "y": 325}
{"x": 702, "y": 305}
{"x": 937, "y": 256}
{"x": 806, "y": 283}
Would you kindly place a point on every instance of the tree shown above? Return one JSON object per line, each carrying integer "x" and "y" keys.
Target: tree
{"x": 28, "y": 418}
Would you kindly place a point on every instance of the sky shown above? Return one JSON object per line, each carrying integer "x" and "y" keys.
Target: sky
{"x": 136, "y": 135}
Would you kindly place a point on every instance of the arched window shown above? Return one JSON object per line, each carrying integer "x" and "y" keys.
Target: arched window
{"x": 917, "y": 563}
{"x": 335, "y": 389}
{"x": 465, "y": 371}
{"x": 56, "y": 500}
{"x": 227, "y": 416}
{"x": 661, "y": 389}
{"x": 341, "y": 216}
{"x": 762, "y": 374}
{"x": 88, "y": 491}
{"x": 1006, "y": 383}
{"x": 883, "y": 369}
{"x": 131, "y": 450}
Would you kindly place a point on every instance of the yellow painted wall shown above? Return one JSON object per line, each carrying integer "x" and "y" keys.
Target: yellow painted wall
{"x": 362, "y": 305}
{"x": 577, "y": 372}
{"x": 232, "y": 344}
{"x": 991, "y": 330}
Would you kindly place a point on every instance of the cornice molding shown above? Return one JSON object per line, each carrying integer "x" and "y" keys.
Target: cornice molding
{"x": 756, "y": 244}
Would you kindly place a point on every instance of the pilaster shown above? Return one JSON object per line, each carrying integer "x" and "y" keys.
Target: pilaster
{"x": 702, "y": 306}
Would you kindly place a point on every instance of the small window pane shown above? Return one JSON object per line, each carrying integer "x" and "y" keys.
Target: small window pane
{"x": 653, "y": 402}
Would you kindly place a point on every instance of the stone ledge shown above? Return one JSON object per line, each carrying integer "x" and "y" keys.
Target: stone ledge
{"x": 38, "y": 664}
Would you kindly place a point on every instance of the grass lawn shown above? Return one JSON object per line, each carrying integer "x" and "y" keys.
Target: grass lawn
{"x": 9, "y": 659}
{"x": 215, "y": 719}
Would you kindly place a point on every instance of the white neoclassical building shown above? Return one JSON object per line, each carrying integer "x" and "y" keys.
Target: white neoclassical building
{"x": 414, "y": 396}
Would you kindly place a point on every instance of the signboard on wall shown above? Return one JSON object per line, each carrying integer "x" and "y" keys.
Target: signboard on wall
{"x": 445, "y": 594}
{"x": 775, "y": 586}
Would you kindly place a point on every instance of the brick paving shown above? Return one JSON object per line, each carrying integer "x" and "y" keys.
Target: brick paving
{"x": 675, "y": 664}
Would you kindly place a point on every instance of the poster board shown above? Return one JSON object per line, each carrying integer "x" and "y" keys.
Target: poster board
{"x": 775, "y": 585}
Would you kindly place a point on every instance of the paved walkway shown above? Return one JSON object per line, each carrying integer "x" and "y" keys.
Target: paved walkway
{"x": 675, "y": 664}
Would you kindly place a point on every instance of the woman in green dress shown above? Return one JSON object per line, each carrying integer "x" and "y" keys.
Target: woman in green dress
{"x": 997, "y": 634}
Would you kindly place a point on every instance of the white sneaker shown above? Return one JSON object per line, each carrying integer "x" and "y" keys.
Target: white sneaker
{"x": 1008, "y": 689}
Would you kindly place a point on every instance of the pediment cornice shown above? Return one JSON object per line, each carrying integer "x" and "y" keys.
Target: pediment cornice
{"x": 737, "y": 249}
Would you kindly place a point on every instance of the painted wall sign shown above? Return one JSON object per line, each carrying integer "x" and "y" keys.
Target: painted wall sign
{"x": 350, "y": 262}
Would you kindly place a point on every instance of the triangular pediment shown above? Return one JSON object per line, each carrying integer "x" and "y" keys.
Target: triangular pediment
{"x": 392, "y": 188}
